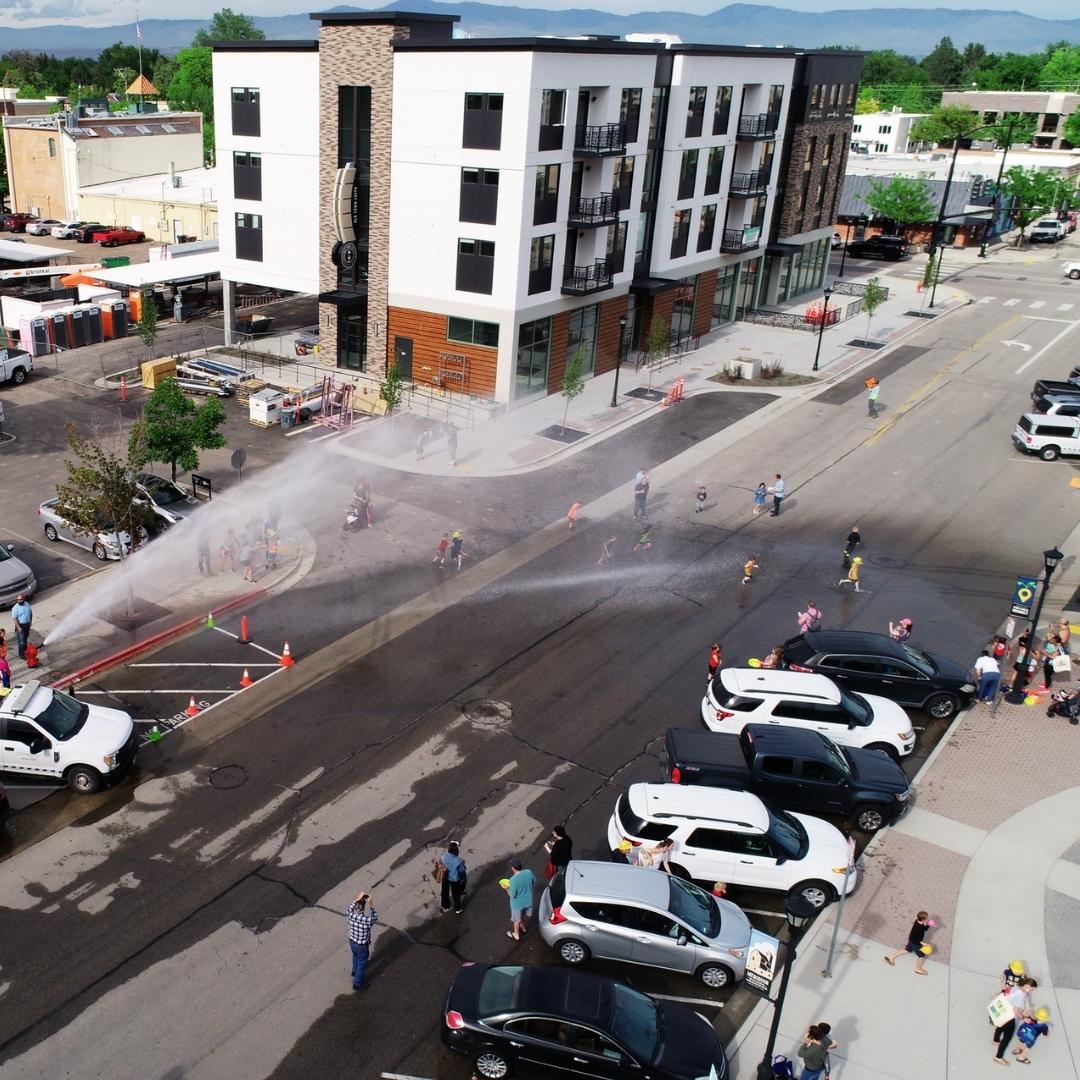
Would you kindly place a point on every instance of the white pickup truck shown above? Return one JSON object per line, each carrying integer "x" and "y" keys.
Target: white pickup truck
{"x": 15, "y": 365}
{"x": 45, "y": 732}
{"x": 1072, "y": 270}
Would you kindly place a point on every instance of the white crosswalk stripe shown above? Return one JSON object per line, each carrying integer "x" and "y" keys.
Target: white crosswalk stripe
{"x": 985, "y": 300}
{"x": 1065, "y": 307}
{"x": 1011, "y": 303}
{"x": 1037, "y": 304}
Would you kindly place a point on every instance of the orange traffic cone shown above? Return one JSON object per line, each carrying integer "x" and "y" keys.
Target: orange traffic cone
{"x": 246, "y": 680}
{"x": 192, "y": 709}
{"x": 286, "y": 657}
{"x": 244, "y": 639}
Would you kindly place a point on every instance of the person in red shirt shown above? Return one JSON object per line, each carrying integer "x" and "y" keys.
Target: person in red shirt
{"x": 440, "y": 552}
{"x": 716, "y": 658}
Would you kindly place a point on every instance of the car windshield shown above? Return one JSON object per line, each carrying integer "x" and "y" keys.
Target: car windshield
{"x": 5, "y": 554}
{"x": 166, "y": 494}
{"x": 693, "y": 906}
{"x": 835, "y": 755}
{"x": 856, "y": 708}
{"x": 499, "y": 990}
{"x": 920, "y": 660}
{"x": 786, "y": 833}
{"x": 635, "y": 1022}
{"x": 63, "y": 717}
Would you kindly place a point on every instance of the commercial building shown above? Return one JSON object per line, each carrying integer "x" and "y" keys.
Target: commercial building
{"x": 886, "y": 132}
{"x": 1049, "y": 110}
{"x": 479, "y": 211}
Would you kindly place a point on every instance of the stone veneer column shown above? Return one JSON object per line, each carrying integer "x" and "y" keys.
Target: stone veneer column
{"x": 357, "y": 55}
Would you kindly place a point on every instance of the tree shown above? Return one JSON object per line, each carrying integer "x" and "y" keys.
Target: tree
{"x": 1011, "y": 128}
{"x": 902, "y": 200}
{"x": 656, "y": 343}
{"x": 873, "y": 296}
{"x": 975, "y": 57}
{"x": 146, "y": 327}
{"x": 390, "y": 389}
{"x": 1062, "y": 70}
{"x": 173, "y": 428}
{"x": 943, "y": 64}
{"x": 1070, "y": 133}
{"x": 946, "y": 124}
{"x": 1033, "y": 194}
{"x": 192, "y": 88}
{"x": 573, "y": 382}
{"x": 931, "y": 272}
{"x": 886, "y": 66}
{"x": 228, "y": 25}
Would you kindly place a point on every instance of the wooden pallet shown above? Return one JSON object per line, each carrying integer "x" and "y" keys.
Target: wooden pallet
{"x": 246, "y": 388}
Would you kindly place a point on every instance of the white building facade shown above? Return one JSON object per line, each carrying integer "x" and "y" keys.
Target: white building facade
{"x": 886, "y": 132}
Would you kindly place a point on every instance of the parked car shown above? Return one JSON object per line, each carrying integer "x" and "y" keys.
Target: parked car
{"x": 551, "y": 1021}
{"x": 42, "y": 228}
{"x": 15, "y": 576}
{"x": 879, "y": 247}
{"x": 15, "y": 365}
{"x": 740, "y": 696}
{"x": 119, "y": 234}
{"x": 105, "y": 543}
{"x": 1050, "y": 437}
{"x": 1047, "y": 231}
{"x": 307, "y": 403}
{"x": 168, "y": 500}
{"x": 1050, "y": 387}
{"x": 66, "y": 230}
{"x": 46, "y": 732}
{"x": 1072, "y": 270}
{"x": 16, "y": 222}
{"x": 84, "y": 234}
{"x": 1058, "y": 404}
{"x": 735, "y": 836}
{"x": 614, "y": 911}
{"x": 874, "y": 663}
{"x": 798, "y": 770}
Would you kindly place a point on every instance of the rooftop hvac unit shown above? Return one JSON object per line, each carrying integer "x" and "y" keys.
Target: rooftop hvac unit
{"x": 177, "y": 181}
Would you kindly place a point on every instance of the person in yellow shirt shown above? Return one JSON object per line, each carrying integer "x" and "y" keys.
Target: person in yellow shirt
{"x": 748, "y": 569}
{"x": 853, "y": 574}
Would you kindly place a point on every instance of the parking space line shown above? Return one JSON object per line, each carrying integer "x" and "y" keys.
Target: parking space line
{"x": 242, "y": 664}
{"x": 758, "y": 911}
{"x": 236, "y": 637}
{"x": 110, "y": 693}
{"x": 689, "y": 1000}
{"x": 402, "y": 1076}
{"x": 56, "y": 549}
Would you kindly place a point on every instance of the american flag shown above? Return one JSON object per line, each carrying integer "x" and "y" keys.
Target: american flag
{"x": 138, "y": 28}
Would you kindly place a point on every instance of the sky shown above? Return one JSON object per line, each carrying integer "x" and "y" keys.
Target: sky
{"x": 106, "y": 13}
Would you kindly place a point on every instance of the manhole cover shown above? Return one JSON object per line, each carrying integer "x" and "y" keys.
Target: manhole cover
{"x": 138, "y": 613}
{"x": 228, "y": 776}
{"x": 488, "y": 715}
{"x": 888, "y": 562}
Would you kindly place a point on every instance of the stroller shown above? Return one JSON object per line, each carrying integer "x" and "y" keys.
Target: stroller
{"x": 1065, "y": 703}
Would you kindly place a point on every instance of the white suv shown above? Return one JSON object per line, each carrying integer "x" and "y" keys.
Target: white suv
{"x": 733, "y": 836}
{"x": 741, "y": 696}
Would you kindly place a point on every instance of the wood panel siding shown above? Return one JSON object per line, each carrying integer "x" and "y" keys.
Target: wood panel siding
{"x": 427, "y": 329}
{"x": 560, "y": 332}
{"x": 706, "y": 290}
{"x": 607, "y": 344}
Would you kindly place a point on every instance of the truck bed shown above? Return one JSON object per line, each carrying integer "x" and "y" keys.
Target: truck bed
{"x": 698, "y": 752}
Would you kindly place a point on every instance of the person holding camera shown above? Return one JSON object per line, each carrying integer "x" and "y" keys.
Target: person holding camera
{"x": 361, "y": 916}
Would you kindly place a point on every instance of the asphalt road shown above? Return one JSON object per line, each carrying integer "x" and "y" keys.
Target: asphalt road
{"x": 191, "y": 925}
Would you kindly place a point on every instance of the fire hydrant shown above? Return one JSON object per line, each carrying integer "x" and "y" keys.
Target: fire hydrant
{"x": 31, "y": 655}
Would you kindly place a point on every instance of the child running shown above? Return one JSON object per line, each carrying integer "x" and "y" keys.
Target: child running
{"x": 748, "y": 569}
{"x": 701, "y": 495}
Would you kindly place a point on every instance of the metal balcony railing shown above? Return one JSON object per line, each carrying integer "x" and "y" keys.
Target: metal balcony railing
{"x": 748, "y": 184}
{"x": 582, "y": 280}
{"x": 735, "y": 240}
{"x": 759, "y": 126}
{"x": 599, "y": 140}
{"x": 593, "y": 212}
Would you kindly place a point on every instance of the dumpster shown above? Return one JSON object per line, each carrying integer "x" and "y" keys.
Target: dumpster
{"x": 288, "y": 417}
{"x": 114, "y": 261}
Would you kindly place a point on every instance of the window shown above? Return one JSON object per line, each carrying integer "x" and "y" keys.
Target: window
{"x": 479, "y": 195}
{"x": 20, "y": 731}
{"x": 533, "y": 350}
{"x": 352, "y": 340}
{"x": 834, "y": 99}
{"x": 245, "y": 111}
{"x": 483, "y": 122}
{"x": 623, "y": 181}
{"x": 249, "y": 243}
{"x": 816, "y": 93}
{"x": 656, "y": 110}
{"x": 695, "y": 111}
{"x": 592, "y": 1042}
{"x": 687, "y": 174}
{"x": 247, "y": 175}
{"x": 819, "y": 772}
{"x": 581, "y": 335}
{"x": 541, "y": 257}
{"x": 714, "y": 840}
{"x": 354, "y": 147}
{"x": 475, "y": 266}
{"x": 680, "y": 233}
{"x": 778, "y": 766}
{"x": 776, "y": 99}
{"x": 706, "y": 225}
{"x": 472, "y": 332}
{"x": 884, "y": 129}
{"x": 721, "y": 116}
{"x": 616, "y": 247}
{"x": 794, "y": 710}
{"x": 881, "y": 148}
{"x": 615, "y": 914}
{"x": 540, "y": 1027}
{"x": 630, "y": 114}
{"x": 714, "y": 168}
{"x": 552, "y": 119}
{"x": 546, "y": 197}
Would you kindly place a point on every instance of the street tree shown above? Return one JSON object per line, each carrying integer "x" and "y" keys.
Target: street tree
{"x": 931, "y": 273}
{"x": 1071, "y": 131}
{"x": 390, "y": 389}
{"x": 1011, "y": 129}
{"x": 656, "y": 343}
{"x": 1033, "y": 193}
{"x": 146, "y": 327}
{"x": 873, "y": 296}
{"x": 229, "y": 25}
{"x": 946, "y": 124}
{"x": 173, "y": 429}
{"x": 191, "y": 88}
{"x": 944, "y": 66}
{"x": 902, "y": 200}
{"x": 573, "y": 382}
{"x": 1062, "y": 69}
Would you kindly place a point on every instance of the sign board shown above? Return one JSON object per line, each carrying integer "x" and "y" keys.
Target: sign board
{"x": 751, "y": 235}
{"x": 239, "y": 456}
{"x": 1026, "y": 587}
{"x": 762, "y": 960}
{"x": 201, "y": 487}
{"x": 48, "y": 271}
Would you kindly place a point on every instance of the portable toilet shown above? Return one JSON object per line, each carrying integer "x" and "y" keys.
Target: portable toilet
{"x": 93, "y": 324}
{"x": 80, "y": 328}
{"x": 264, "y": 407}
{"x": 60, "y": 330}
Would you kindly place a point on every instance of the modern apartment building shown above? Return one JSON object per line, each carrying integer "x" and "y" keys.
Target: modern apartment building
{"x": 886, "y": 132}
{"x": 1048, "y": 109}
{"x": 479, "y": 211}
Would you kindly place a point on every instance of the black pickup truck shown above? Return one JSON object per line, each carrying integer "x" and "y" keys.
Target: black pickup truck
{"x": 795, "y": 769}
{"x": 1049, "y": 387}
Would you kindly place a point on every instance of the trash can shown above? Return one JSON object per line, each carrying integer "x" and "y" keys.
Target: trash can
{"x": 288, "y": 417}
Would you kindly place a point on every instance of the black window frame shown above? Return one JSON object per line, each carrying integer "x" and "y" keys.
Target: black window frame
{"x": 247, "y": 175}
{"x": 475, "y": 267}
{"x": 722, "y": 110}
{"x": 714, "y": 170}
{"x": 546, "y": 200}
{"x": 246, "y": 111}
{"x": 615, "y": 252}
{"x": 630, "y": 112}
{"x": 680, "y": 233}
{"x": 706, "y": 226}
{"x": 249, "y": 237}
{"x": 540, "y": 272}
{"x": 551, "y": 134}
{"x": 474, "y": 336}
{"x": 479, "y": 198}
{"x": 688, "y": 170}
{"x": 481, "y": 127}
{"x": 623, "y": 182}
{"x": 695, "y": 111}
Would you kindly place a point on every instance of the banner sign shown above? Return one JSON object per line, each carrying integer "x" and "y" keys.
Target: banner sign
{"x": 1026, "y": 588}
{"x": 761, "y": 963}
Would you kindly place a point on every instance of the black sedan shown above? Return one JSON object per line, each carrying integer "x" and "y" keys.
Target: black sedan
{"x": 545, "y": 1020}
{"x": 875, "y": 664}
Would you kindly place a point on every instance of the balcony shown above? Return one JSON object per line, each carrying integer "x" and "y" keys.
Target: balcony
{"x": 759, "y": 126}
{"x": 736, "y": 240}
{"x": 592, "y": 213}
{"x": 582, "y": 280}
{"x": 599, "y": 140}
{"x": 745, "y": 185}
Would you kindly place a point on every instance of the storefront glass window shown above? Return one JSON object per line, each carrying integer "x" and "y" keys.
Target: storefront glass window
{"x": 534, "y": 345}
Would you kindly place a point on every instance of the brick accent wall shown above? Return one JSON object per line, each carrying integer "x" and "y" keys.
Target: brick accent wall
{"x": 607, "y": 338}
{"x": 795, "y": 218}
{"x": 703, "y": 305}
{"x": 357, "y": 56}
{"x": 427, "y": 329}
{"x": 560, "y": 331}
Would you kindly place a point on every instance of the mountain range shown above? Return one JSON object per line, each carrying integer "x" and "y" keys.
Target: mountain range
{"x": 914, "y": 31}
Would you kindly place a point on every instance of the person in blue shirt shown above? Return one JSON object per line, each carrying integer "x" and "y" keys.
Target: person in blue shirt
{"x": 23, "y": 615}
{"x": 520, "y": 888}
{"x": 453, "y": 882}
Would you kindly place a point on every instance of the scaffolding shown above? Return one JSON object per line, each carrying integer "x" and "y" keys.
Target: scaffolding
{"x": 337, "y": 404}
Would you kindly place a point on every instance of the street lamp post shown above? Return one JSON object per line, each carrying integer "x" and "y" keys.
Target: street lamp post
{"x": 800, "y": 913}
{"x": 843, "y": 256}
{"x": 1016, "y": 695}
{"x": 618, "y": 359}
{"x": 997, "y": 183}
{"x": 821, "y": 328}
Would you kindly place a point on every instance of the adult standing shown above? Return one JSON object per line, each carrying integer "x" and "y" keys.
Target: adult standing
{"x": 453, "y": 882}
{"x": 361, "y": 918}
{"x": 641, "y": 493}
{"x": 814, "y": 1053}
{"x": 810, "y": 620}
{"x": 988, "y": 671}
{"x": 206, "y": 560}
{"x": 1018, "y": 999}
{"x": 779, "y": 490}
{"x": 520, "y": 889}
{"x": 560, "y": 849}
{"x": 1065, "y": 633}
{"x": 854, "y": 539}
{"x": 23, "y": 616}
{"x": 451, "y": 443}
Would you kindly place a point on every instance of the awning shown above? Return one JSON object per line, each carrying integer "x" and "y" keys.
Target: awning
{"x": 783, "y": 249}
{"x": 344, "y": 298}
{"x": 651, "y": 286}
{"x": 16, "y": 251}
{"x": 173, "y": 271}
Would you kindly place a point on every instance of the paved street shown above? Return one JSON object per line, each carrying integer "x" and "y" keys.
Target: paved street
{"x": 189, "y": 921}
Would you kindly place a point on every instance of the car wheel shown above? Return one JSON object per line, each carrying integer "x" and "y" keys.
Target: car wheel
{"x": 83, "y": 779}
{"x": 885, "y": 748}
{"x": 491, "y": 1065}
{"x": 1074, "y": 274}
{"x": 305, "y": 415}
{"x": 51, "y": 533}
{"x": 942, "y": 706}
{"x": 100, "y": 552}
{"x": 868, "y": 818}
{"x": 573, "y": 952}
{"x": 1049, "y": 453}
{"x": 817, "y": 893}
{"x": 112, "y": 243}
{"x": 19, "y": 377}
{"x": 716, "y": 976}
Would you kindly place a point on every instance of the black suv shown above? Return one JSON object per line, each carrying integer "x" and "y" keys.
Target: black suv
{"x": 875, "y": 664}
{"x": 879, "y": 247}
{"x": 84, "y": 234}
